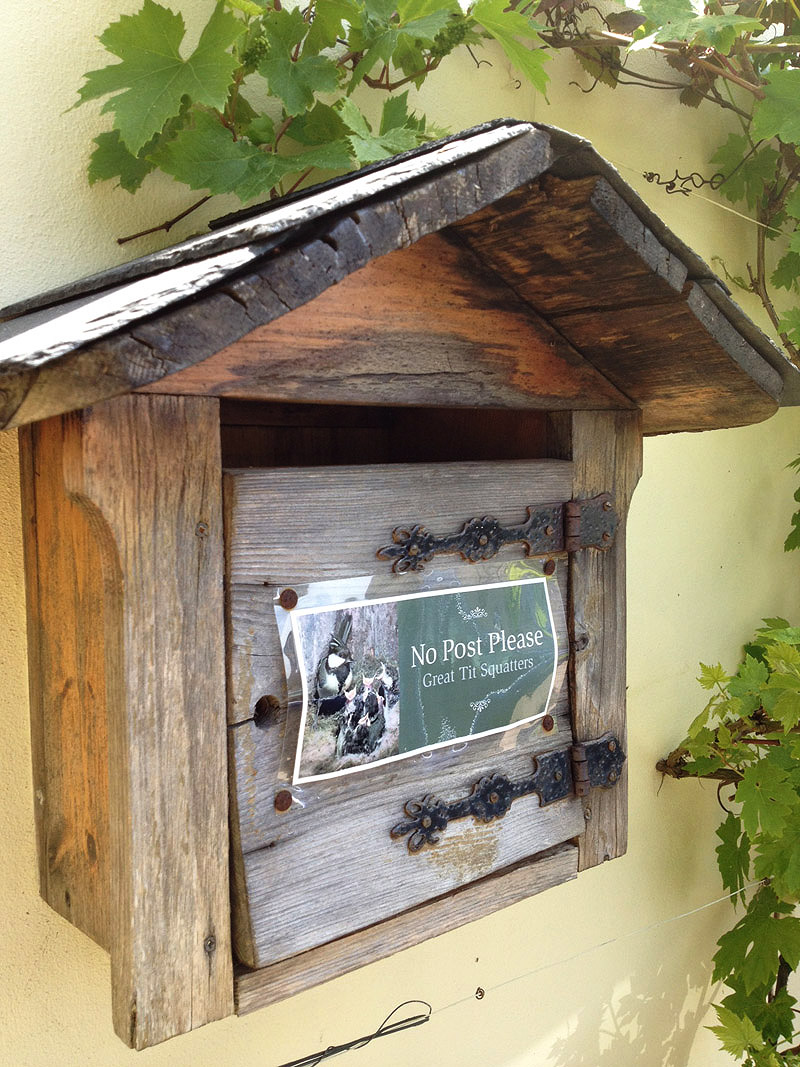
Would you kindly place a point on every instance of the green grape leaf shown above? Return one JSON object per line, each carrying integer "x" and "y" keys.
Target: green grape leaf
{"x": 771, "y": 1015}
{"x": 784, "y": 656}
{"x": 111, "y": 159}
{"x": 792, "y": 204}
{"x": 285, "y": 28}
{"x": 747, "y": 684}
{"x": 677, "y": 20}
{"x": 778, "y": 858}
{"x": 711, "y": 676}
{"x": 787, "y": 271}
{"x": 261, "y": 130}
{"x": 733, "y": 854}
{"x": 296, "y": 82}
{"x": 247, "y": 7}
{"x": 746, "y": 173}
{"x": 736, "y": 1034}
{"x": 318, "y": 126}
{"x": 793, "y": 538}
{"x": 333, "y": 155}
{"x": 506, "y": 27}
{"x": 369, "y": 147}
{"x": 205, "y": 156}
{"x": 766, "y": 796}
{"x": 790, "y": 324}
{"x": 327, "y": 24}
{"x": 152, "y": 80}
{"x": 778, "y": 115}
{"x": 752, "y": 949}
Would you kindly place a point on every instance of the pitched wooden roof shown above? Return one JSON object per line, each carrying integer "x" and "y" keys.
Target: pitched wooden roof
{"x": 537, "y": 237}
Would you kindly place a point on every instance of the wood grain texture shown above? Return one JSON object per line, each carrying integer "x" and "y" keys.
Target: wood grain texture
{"x": 147, "y": 473}
{"x": 578, "y": 254}
{"x": 262, "y": 505}
{"x": 606, "y": 450}
{"x": 302, "y": 874}
{"x": 411, "y": 327}
{"x": 256, "y": 989}
{"x": 73, "y": 617}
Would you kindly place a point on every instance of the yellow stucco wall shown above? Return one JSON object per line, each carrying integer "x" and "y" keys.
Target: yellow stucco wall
{"x": 587, "y": 975}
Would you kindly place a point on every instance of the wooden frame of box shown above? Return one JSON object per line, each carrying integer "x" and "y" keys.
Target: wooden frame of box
{"x": 498, "y": 314}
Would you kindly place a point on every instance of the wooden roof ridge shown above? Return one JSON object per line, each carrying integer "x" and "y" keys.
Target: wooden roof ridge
{"x": 538, "y": 207}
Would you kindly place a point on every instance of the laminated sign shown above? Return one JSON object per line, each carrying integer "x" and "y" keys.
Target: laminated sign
{"x": 385, "y": 678}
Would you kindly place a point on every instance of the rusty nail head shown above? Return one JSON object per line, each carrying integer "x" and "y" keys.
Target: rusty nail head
{"x": 210, "y": 944}
{"x": 612, "y": 746}
{"x": 483, "y": 540}
{"x": 493, "y": 798}
{"x": 549, "y": 531}
{"x": 606, "y": 505}
{"x": 549, "y": 567}
{"x": 548, "y": 723}
{"x": 606, "y": 535}
{"x": 283, "y": 800}
{"x": 426, "y": 822}
{"x": 201, "y": 529}
{"x": 587, "y": 814}
{"x": 558, "y": 776}
{"x": 612, "y": 777}
{"x": 288, "y": 599}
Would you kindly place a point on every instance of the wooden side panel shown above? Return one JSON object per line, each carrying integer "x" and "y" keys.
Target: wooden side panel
{"x": 256, "y": 989}
{"x": 408, "y": 328}
{"x": 74, "y": 614}
{"x": 149, "y": 470}
{"x": 606, "y": 450}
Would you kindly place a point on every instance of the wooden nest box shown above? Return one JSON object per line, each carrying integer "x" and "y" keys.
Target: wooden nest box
{"x": 449, "y": 357}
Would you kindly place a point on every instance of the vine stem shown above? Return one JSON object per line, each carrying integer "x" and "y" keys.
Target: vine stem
{"x": 165, "y": 226}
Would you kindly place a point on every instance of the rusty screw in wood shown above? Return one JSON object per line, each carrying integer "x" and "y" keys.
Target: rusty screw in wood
{"x": 426, "y": 822}
{"x": 606, "y": 535}
{"x": 201, "y": 529}
{"x": 483, "y": 540}
{"x": 283, "y": 800}
{"x": 493, "y": 798}
{"x": 548, "y": 723}
{"x": 288, "y": 599}
{"x": 558, "y": 776}
{"x": 612, "y": 776}
{"x": 606, "y": 505}
{"x": 612, "y": 746}
{"x": 480, "y": 993}
{"x": 549, "y": 567}
{"x": 210, "y": 944}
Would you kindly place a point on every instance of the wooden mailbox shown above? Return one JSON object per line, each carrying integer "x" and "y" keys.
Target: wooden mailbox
{"x": 458, "y": 341}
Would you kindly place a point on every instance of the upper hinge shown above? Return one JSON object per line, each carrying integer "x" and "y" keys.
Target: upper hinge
{"x": 547, "y": 529}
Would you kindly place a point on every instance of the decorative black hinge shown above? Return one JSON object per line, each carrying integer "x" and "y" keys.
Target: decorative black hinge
{"x": 548, "y": 528}
{"x": 569, "y": 771}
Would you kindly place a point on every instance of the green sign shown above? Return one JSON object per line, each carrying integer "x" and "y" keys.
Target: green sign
{"x": 382, "y": 679}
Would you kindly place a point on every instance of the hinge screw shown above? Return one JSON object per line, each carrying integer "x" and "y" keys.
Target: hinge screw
{"x": 612, "y": 776}
{"x": 612, "y": 746}
{"x": 606, "y": 505}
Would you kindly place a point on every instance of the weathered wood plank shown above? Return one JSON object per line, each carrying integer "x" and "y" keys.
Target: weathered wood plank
{"x": 411, "y": 327}
{"x": 72, "y": 610}
{"x": 607, "y": 452}
{"x": 148, "y": 474}
{"x": 566, "y": 245}
{"x": 256, "y": 989}
{"x": 685, "y": 378}
{"x": 579, "y": 255}
{"x": 45, "y": 373}
{"x": 263, "y": 505}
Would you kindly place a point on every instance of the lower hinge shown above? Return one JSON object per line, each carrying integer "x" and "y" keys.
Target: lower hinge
{"x": 567, "y": 772}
